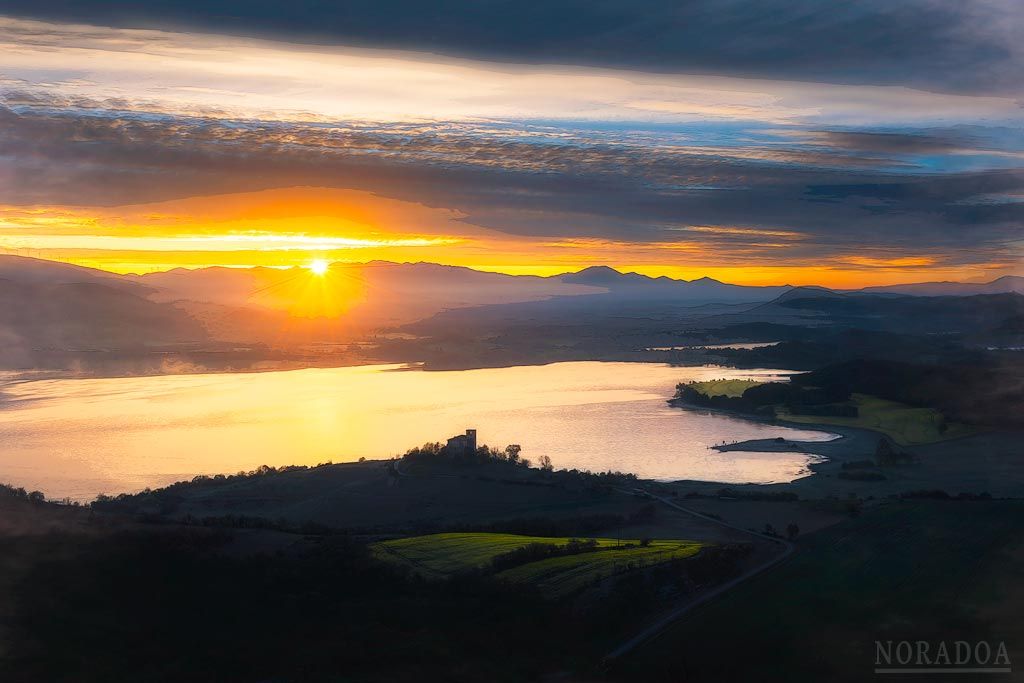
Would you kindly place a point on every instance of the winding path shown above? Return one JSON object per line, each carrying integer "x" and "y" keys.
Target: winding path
{"x": 658, "y": 626}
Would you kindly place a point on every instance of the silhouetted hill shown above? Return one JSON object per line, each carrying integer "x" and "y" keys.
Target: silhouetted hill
{"x": 84, "y": 316}
{"x": 904, "y": 314}
{"x": 985, "y": 393}
{"x": 1004, "y": 285}
{"x": 806, "y": 292}
{"x": 804, "y": 307}
{"x": 25, "y": 270}
{"x": 605, "y": 276}
{"x": 704, "y": 290}
{"x": 459, "y": 317}
{"x": 365, "y": 296}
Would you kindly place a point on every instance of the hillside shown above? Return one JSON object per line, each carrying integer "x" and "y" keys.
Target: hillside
{"x": 980, "y": 394}
{"x": 39, "y": 318}
{"x": 1004, "y": 285}
{"x": 704, "y": 290}
{"x": 34, "y": 271}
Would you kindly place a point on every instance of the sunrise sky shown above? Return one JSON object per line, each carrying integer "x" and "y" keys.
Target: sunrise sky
{"x": 164, "y": 140}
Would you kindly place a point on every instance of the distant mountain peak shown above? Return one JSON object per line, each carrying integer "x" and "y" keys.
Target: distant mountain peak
{"x": 604, "y": 276}
{"x": 28, "y": 270}
{"x": 599, "y": 272}
{"x": 807, "y": 292}
{"x": 1006, "y": 284}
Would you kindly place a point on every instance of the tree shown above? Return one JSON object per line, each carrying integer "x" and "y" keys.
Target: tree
{"x": 792, "y": 530}
{"x": 512, "y": 452}
{"x": 545, "y": 463}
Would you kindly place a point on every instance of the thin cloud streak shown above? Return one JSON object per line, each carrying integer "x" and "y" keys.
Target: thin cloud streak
{"x": 934, "y": 45}
{"x": 263, "y": 79}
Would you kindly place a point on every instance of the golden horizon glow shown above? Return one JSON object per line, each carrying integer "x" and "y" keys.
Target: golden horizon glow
{"x": 761, "y": 276}
{"x": 406, "y": 110}
{"x": 311, "y": 228}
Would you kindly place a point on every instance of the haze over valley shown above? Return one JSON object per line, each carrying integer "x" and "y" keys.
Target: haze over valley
{"x": 71, "y": 318}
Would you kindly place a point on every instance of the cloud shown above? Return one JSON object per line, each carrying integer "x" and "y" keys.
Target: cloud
{"x": 212, "y": 75}
{"x": 941, "y": 45}
{"x": 548, "y": 188}
{"x": 893, "y": 143}
{"x": 645, "y": 166}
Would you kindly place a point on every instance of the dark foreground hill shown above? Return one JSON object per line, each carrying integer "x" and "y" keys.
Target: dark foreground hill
{"x": 912, "y": 570}
{"x": 91, "y": 595}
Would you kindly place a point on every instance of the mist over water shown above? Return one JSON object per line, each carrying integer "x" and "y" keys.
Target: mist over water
{"x": 78, "y": 438}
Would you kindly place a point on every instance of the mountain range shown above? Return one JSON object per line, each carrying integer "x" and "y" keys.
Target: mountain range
{"x": 1004, "y": 285}
{"x": 49, "y": 305}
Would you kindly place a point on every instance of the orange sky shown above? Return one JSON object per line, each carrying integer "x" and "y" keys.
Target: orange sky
{"x": 741, "y": 176}
{"x": 287, "y": 227}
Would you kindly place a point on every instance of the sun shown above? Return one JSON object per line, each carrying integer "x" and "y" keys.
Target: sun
{"x": 319, "y": 266}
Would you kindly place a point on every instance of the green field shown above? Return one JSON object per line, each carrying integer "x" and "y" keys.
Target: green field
{"x": 920, "y": 570}
{"x": 441, "y": 555}
{"x": 906, "y": 425}
{"x": 563, "y": 575}
{"x": 732, "y": 388}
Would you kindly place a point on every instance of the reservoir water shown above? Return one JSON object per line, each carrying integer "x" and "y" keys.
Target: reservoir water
{"x": 78, "y": 438}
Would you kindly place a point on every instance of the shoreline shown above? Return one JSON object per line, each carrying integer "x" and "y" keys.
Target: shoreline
{"x": 854, "y": 443}
{"x": 10, "y": 375}
{"x": 175, "y": 364}
{"x": 15, "y": 376}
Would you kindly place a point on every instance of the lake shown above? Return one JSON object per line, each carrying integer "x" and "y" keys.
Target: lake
{"x": 77, "y": 438}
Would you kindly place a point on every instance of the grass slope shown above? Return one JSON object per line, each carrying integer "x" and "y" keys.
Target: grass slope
{"x": 732, "y": 388}
{"x": 558, "y": 576}
{"x": 441, "y": 555}
{"x": 916, "y": 570}
{"x": 906, "y": 425}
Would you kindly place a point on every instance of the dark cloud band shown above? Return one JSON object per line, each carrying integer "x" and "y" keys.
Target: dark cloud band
{"x": 946, "y": 45}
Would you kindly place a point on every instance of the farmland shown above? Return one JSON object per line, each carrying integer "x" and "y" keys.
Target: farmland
{"x": 445, "y": 554}
{"x": 906, "y": 425}
{"x": 441, "y": 555}
{"x": 559, "y": 576}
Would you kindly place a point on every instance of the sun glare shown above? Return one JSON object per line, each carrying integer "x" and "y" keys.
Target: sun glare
{"x": 319, "y": 266}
